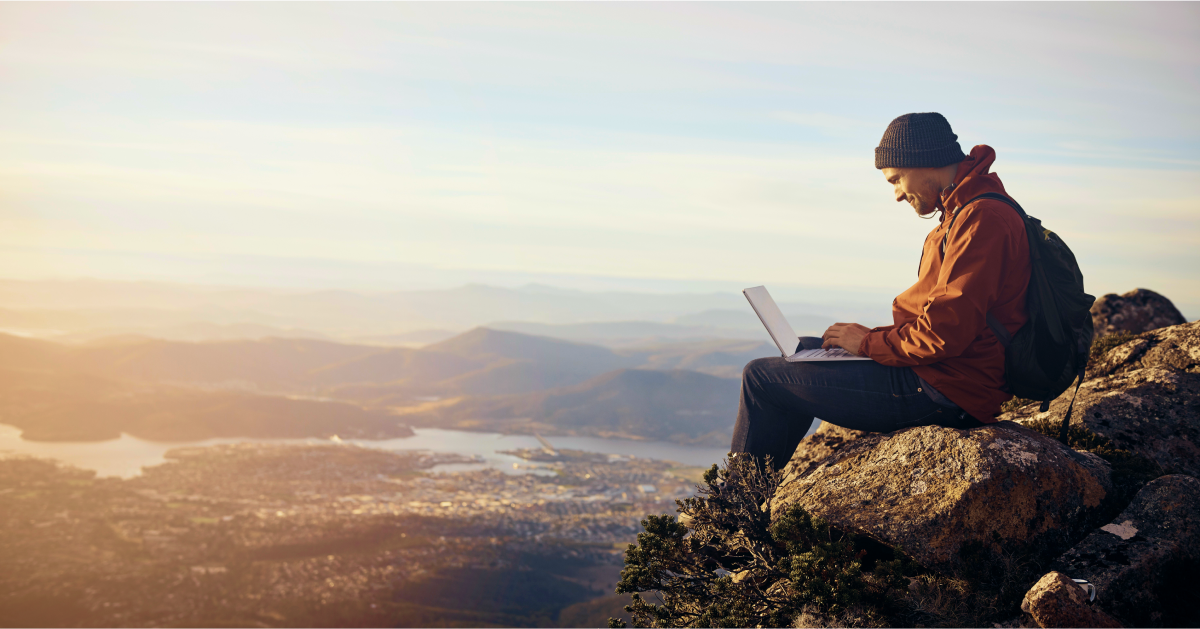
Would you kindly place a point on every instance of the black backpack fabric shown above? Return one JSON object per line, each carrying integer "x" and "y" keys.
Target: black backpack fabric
{"x": 1051, "y": 350}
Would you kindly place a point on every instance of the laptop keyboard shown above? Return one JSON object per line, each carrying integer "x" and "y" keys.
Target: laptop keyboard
{"x": 836, "y": 352}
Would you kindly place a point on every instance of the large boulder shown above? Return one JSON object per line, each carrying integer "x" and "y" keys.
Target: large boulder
{"x": 934, "y": 490}
{"x": 1144, "y": 563}
{"x": 1143, "y": 396}
{"x": 1139, "y": 310}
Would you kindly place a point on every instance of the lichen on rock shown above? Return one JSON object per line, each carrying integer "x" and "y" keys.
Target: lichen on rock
{"x": 933, "y": 490}
{"x": 817, "y": 447}
{"x": 1142, "y": 396}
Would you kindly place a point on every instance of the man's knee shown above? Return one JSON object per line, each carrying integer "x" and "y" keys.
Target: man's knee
{"x": 755, "y": 371}
{"x": 754, "y": 367}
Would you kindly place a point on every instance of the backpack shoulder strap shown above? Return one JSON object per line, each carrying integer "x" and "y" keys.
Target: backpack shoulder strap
{"x": 995, "y": 196}
{"x": 946, "y": 235}
{"x": 1064, "y": 430}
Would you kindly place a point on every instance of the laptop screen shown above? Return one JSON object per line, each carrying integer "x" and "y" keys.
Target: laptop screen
{"x": 777, "y": 325}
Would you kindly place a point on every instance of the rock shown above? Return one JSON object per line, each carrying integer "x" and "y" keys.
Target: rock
{"x": 933, "y": 490}
{"x": 1139, "y": 310}
{"x": 1144, "y": 563}
{"x": 1176, "y": 347}
{"x": 1057, "y": 601}
{"x": 817, "y": 447}
{"x": 1144, "y": 396}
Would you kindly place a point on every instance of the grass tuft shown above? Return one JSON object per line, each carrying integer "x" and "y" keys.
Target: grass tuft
{"x": 1101, "y": 345}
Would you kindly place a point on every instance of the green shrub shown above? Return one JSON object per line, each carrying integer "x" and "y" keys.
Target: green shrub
{"x": 730, "y": 567}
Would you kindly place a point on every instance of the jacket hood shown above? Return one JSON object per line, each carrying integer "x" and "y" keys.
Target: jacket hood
{"x": 973, "y": 179}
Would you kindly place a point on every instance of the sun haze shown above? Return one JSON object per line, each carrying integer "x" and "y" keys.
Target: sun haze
{"x": 406, "y": 145}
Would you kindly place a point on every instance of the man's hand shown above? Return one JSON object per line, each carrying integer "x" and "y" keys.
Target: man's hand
{"x": 847, "y": 336}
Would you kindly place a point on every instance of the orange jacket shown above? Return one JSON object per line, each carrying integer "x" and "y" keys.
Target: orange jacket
{"x": 940, "y": 325}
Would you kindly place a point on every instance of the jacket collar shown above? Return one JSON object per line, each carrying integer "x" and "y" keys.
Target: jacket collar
{"x": 971, "y": 180}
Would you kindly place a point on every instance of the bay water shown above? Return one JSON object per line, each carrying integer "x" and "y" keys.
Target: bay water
{"x": 126, "y": 456}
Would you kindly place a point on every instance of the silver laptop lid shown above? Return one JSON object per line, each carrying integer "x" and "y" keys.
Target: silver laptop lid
{"x": 777, "y": 325}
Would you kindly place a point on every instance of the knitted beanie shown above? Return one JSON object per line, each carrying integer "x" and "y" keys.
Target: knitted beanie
{"x": 918, "y": 141}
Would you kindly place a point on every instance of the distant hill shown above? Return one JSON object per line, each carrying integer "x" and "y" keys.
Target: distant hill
{"x": 723, "y": 358}
{"x": 270, "y": 364}
{"x": 84, "y": 407}
{"x": 479, "y": 362}
{"x": 408, "y": 368}
{"x": 680, "y": 406}
{"x": 488, "y": 342}
{"x": 23, "y": 353}
{"x": 269, "y": 386}
{"x": 516, "y": 377}
{"x": 416, "y": 338}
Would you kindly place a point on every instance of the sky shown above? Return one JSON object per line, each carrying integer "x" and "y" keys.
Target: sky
{"x": 639, "y": 146}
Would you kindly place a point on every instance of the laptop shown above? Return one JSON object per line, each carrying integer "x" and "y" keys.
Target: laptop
{"x": 782, "y": 333}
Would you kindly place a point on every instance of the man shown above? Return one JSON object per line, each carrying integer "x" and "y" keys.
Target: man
{"x": 939, "y": 363}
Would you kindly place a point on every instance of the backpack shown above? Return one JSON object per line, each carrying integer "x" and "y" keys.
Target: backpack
{"x": 1051, "y": 350}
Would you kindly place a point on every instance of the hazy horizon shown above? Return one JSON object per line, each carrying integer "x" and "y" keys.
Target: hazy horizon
{"x": 641, "y": 147}
{"x": 84, "y": 310}
{"x": 607, "y": 313}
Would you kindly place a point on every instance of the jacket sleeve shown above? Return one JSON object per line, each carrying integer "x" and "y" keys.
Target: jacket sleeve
{"x": 956, "y": 312}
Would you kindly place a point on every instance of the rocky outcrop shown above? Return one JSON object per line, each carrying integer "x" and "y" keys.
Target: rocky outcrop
{"x": 934, "y": 490}
{"x": 941, "y": 494}
{"x": 1143, "y": 396}
{"x": 1057, "y": 601}
{"x": 819, "y": 446}
{"x": 1139, "y": 310}
{"x": 1143, "y": 562}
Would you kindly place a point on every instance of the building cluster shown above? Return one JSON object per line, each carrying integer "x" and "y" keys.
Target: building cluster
{"x": 255, "y": 534}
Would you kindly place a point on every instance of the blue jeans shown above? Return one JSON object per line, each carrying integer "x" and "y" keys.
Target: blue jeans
{"x": 781, "y": 399}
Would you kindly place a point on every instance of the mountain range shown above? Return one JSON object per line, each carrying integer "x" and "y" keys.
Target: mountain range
{"x": 682, "y": 406}
{"x": 482, "y": 379}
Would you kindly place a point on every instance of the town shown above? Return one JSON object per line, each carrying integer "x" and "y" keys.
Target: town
{"x": 272, "y": 535}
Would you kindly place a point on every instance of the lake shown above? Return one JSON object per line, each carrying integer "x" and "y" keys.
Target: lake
{"x": 125, "y": 457}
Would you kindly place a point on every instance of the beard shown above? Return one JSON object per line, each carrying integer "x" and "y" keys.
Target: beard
{"x": 921, "y": 207}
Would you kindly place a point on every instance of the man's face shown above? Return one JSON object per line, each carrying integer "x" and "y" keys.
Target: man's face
{"x": 918, "y": 186}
